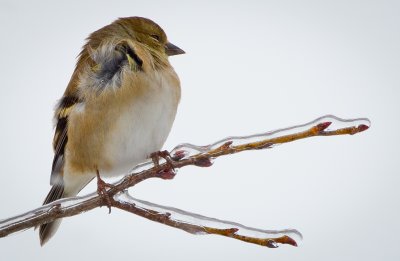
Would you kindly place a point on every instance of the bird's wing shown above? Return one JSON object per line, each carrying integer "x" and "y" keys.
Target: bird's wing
{"x": 104, "y": 64}
{"x": 64, "y": 107}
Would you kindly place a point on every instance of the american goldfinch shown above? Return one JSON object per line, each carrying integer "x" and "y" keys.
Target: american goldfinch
{"x": 118, "y": 107}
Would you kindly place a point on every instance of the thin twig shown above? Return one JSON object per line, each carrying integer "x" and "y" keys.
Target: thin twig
{"x": 184, "y": 155}
{"x": 201, "y": 225}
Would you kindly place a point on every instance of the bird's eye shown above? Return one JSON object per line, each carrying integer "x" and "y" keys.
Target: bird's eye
{"x": 155, "y": 37}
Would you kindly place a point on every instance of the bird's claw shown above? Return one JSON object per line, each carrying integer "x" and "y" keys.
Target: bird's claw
{"x": 168, "y": 173}
{"x": 102, "y": 191}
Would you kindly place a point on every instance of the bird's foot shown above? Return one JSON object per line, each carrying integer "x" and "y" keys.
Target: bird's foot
{"x": 167, "y": 173}
{"x": 102, "y": 191}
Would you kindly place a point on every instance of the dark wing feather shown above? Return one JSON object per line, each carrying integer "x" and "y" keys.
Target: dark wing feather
{"x": 61, "y": 136}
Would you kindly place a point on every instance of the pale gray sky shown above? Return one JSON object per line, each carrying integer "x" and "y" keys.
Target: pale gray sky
{"x": 250, "y": 67}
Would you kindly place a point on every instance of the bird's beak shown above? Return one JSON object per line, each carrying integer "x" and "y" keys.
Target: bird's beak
{"x": 171, "y": 49}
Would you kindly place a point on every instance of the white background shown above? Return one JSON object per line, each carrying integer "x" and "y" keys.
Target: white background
{"x": 250, "y": 67}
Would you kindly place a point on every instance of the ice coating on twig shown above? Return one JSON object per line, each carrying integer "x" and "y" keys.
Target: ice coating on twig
{"x": 186, "y": 150}
{"x": 336, "y": 123}
{"x": 62, "y": 205}
{"x": 202, "y": 225}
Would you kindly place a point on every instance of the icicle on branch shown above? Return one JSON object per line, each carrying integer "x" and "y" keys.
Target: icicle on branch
{"x": 184, "y": 155}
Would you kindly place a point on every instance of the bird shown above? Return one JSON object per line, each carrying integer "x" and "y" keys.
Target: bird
{"x": 118, "y": 107}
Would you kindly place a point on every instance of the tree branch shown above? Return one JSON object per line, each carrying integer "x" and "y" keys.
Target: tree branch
{"x": 184, "y": 155}
{"x": 201, "y": 225}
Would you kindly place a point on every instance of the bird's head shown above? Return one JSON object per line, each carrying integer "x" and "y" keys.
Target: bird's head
{"x": 149, "y": 33}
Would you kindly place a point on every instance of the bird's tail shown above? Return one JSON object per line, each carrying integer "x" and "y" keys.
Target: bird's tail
{"x": 46, "y": 231}
{"x": 61, "y": 190}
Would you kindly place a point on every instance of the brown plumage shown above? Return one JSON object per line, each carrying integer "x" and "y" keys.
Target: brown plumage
{"x": 118, "y": 107}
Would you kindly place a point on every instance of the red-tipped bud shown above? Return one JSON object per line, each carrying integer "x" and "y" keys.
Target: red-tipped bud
{"x": 362, "y": 127}
{"x": 286, "y": 240}
{"x": 226, "y": 145}
{"x": 178, "y": 155}
{"x": 324, "y": 125}
{"x": 290, "y": 241}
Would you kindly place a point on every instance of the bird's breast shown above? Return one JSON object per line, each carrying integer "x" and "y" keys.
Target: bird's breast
{"x": 123, "y": 128}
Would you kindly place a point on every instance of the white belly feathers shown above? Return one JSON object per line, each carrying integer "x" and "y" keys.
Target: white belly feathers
{"x": 140, "y": 130}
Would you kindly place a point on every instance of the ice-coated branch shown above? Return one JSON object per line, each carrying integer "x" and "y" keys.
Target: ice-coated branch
{"x": 201, "y": 225}
{"x": 184, "y": 155}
